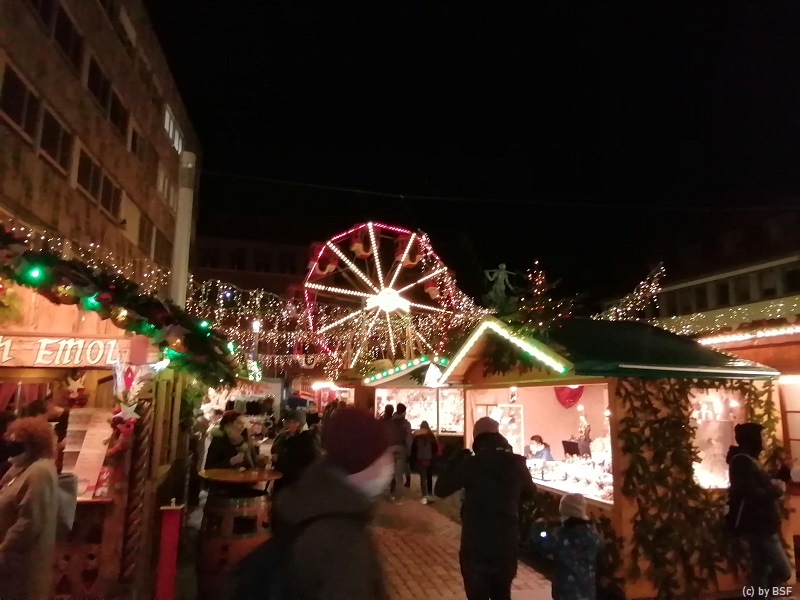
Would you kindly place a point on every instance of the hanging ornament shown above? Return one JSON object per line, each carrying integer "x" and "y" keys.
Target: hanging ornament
{"x": 128, "y": 378}
{"x": 65, "y": 294}
{"x": 568, "y": 396}
{"x": 120, "y": 317}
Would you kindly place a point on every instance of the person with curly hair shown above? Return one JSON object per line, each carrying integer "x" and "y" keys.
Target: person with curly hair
{"x": 28, "y": 510}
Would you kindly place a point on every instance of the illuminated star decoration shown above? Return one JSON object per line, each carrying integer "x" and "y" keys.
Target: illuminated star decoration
{"x": 631, "y": 306}
{"x": 75, "y": 386}
{"x": 128, "y": 412}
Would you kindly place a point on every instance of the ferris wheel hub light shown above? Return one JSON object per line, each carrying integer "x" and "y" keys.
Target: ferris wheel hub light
{"x": 388, "y": 300}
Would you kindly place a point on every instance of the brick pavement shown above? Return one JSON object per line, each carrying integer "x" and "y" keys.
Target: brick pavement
{"x": 419, "y": 552}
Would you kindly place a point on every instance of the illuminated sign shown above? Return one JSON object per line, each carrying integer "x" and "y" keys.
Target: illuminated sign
{"x": 25, "y": 351}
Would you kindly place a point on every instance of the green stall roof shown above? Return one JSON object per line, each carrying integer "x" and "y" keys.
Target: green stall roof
{"x": 638, "y": 349}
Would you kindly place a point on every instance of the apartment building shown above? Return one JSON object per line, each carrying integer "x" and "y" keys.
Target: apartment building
{"x": 93, "y": 131}
{"x": 250, "y": 265}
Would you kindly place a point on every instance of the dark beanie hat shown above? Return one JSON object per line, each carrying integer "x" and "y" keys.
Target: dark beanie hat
{"x": 748, "y": 434}
{"x": 296, "y": 415}
{"x": 353, "y": 439}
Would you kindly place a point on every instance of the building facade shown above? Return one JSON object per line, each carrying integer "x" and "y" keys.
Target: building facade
{"x": 92, "y": 130}
{"x": 250, "y": 265}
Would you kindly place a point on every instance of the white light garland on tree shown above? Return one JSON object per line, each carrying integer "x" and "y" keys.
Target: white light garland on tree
{"x": 633, "y": 305}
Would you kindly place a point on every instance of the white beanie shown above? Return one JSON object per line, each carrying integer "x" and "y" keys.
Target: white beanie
{"x": 573, "y": 506}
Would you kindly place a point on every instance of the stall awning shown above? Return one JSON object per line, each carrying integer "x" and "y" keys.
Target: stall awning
{"x": 637, "y": 349}
{"x": 590, "y": 348}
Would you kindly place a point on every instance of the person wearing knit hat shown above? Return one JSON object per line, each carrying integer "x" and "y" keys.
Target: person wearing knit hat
{"x": 495, "y": 481}
{"x": 331, "y": 507}
{"x": 485, "y": 425}
{"x": 575, "y": 547}
{"x": 753, "y": 511}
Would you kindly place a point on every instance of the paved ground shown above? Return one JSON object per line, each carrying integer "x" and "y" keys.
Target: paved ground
{"x": 419, "y": 551}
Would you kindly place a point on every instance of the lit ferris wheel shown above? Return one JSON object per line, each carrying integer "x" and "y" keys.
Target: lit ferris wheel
{"x": 391, "y": 291}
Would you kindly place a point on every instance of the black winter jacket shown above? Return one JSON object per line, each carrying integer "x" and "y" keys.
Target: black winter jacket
{"x": 495, "y": 481}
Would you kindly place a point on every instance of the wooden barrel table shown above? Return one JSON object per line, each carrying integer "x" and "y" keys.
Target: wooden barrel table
{"x": 235, "y": 522}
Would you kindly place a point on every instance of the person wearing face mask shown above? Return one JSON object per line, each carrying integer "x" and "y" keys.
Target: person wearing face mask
{"x": 326, "y": 550}
{"x": 229, "y": 448}
{"x": 539, "y": 450}
{"x": 28, "y": 510}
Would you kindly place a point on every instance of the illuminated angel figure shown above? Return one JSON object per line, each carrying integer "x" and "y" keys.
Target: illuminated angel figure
{"x": 392, "y": 293}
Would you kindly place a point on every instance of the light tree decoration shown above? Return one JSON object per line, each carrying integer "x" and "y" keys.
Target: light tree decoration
{"x": 633, "y": 305}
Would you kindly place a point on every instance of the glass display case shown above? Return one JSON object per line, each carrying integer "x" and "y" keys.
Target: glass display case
{"x": 589, "y": 477}
{"x": 716, "y": 413}
{"x": 510, "y": 418}
{"x": 443, "y": 409}
{"x": 451, "y": 411}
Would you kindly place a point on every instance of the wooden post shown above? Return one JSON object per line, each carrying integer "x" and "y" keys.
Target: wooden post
{"x": 168, "y": 551}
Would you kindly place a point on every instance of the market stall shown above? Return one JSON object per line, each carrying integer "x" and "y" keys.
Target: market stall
{"x": 415, "y": 384}
{"x": 624, "y": 407}
{"x": 121, "y": 366}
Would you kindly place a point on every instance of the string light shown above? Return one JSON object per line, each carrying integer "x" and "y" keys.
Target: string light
{"x": 538, "y": 351}
{"x": 372, "y": 241}
{"x": 742, "y": 337}
{"x": 634, "y": 304}
{"x": 151, "y": 278}
{"x": 337, "y": 290}
{"x": 411, "y": 364}
{"x": 699, "y": 323}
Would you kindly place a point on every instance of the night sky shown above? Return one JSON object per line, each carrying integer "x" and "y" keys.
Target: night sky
{"x": 586, "y": 137}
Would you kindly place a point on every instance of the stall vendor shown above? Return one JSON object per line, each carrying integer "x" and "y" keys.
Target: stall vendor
{"x": 538, "y": 449}
{"x": 230, "y": 448}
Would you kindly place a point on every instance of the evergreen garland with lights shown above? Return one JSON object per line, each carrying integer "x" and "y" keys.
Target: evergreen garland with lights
{"x": 633, "y": 305}
{"x": 191, "y": 345}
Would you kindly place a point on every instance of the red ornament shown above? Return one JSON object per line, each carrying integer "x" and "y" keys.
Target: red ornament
{"x": 568, "y": 396}
{"x": 128, "y": 378}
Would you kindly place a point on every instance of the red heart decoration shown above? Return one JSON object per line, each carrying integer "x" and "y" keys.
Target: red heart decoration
{"x": 568, "y": 396}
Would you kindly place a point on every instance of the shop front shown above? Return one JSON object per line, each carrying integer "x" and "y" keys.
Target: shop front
{"x": 636, "y": 419}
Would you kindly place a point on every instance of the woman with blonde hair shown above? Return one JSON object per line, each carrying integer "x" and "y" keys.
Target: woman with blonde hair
{"x": 28, "y": 511}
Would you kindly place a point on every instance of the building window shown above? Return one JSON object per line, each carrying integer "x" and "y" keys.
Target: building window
{"x": 118, "y": 115}
{"x": 18, "y": 102}
{"x": 146, "y": 235}
{"x": 173, "y": 132}
{"x": 100, "y": 87}
{"x": 209, "y": 257}
{"x": 741, "y": 289}
{"x": 723, "y": 294}
{"x": 163, "y": 250}
{"x": 110, "y": 197}
{"x": 263, "y": 261}
{"x": 166, "y": 187}
{"x": 685, "y": 302}
{"x": 90, "y": 176}
{"x": 136, "y": 144}
{"x": 791, "y": 280}
{"x": 701, "y": 298}
{"x": 68, "y": 38}
{"x": 56, "y": 141}
{"x": 768, "y": 284}
{"x": 239, "y": 259}
{"x": 286, "y": 264}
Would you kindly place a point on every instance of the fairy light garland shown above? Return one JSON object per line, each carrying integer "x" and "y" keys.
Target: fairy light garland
{"x": 151, "y": 278}
{"x": 633, "y": 305}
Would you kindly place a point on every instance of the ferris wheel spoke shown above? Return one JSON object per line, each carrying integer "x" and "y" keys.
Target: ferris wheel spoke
{"x": 428, "y": 307}
{"x": 423, "y": 279}
{"x": 400, "y": 264}
{"x": 341, "y": 321}
{"x": 352, "y": 266}
{"x": 337, "y": 290}
{"x": 365, "y": 339}
{"x": 371, "y": 229}
{"x": 391, "y": 334}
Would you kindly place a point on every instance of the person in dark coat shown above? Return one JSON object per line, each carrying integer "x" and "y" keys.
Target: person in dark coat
{"x": 424, "y": 450}
{"x": 330, "y": 506}
{"x": 229, "y": 447}
{"x": 294, "y": 451}
{"x": 753, "y": 502}
{"x": 495, "y": 481}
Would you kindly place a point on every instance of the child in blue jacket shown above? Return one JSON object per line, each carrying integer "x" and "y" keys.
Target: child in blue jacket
{"x": 575, "y": 547}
